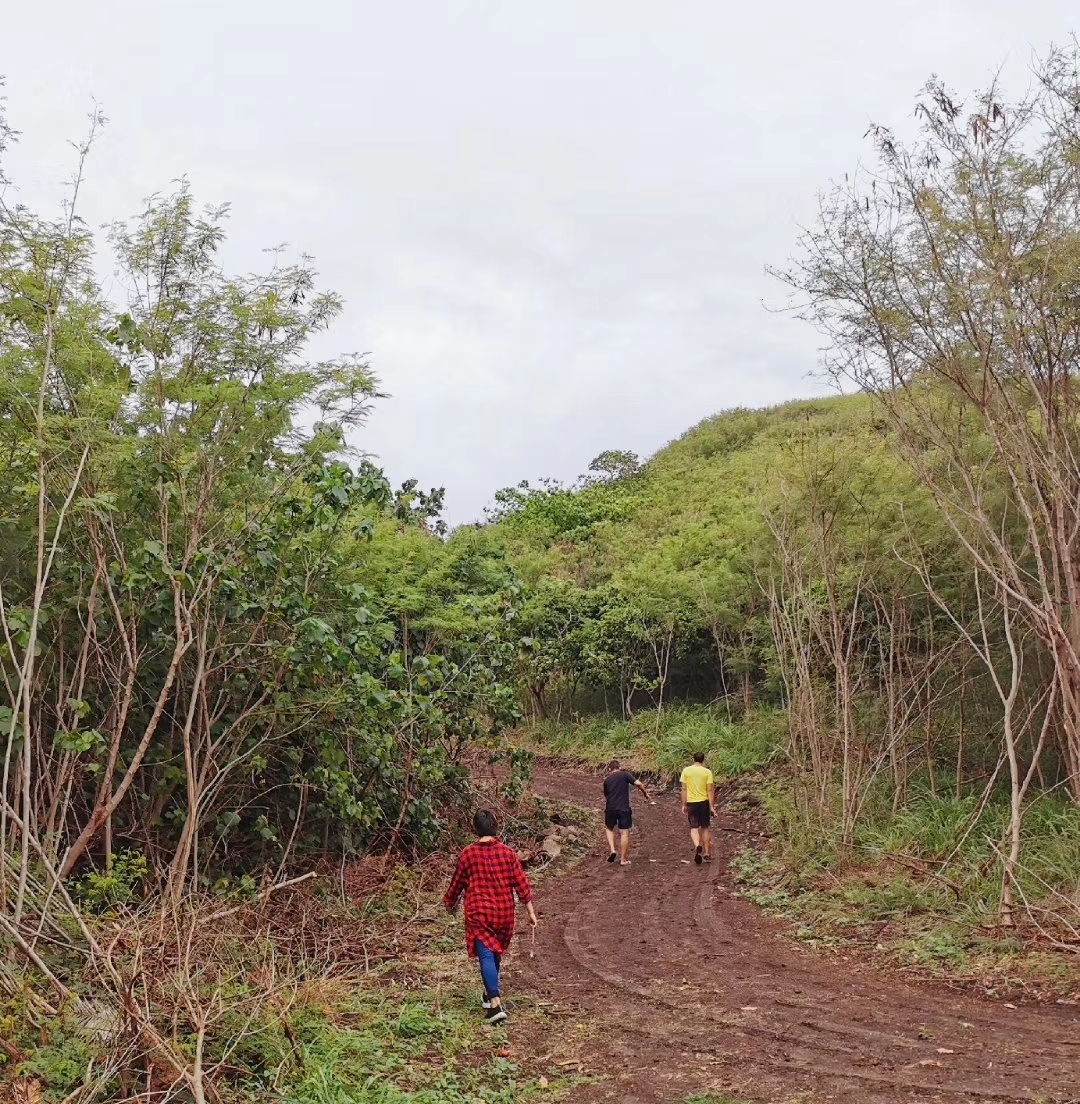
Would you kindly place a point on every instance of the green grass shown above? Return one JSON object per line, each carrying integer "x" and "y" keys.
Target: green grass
{"x": 665, "y": 744}
{"x": 379, "y": 1040}
{"x": 947, "y": 839}
{"x": 920, "y": 886}
{"x": 404, "y": 1034}
{"x": 412, "y": 1038}
{"x": 375, "y": 1049}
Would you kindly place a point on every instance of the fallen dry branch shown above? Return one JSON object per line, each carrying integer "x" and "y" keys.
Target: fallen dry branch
{"x": 263, "y": 895}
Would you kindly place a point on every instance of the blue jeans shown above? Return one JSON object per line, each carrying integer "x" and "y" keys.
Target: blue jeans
{"x": 489, "y": 969}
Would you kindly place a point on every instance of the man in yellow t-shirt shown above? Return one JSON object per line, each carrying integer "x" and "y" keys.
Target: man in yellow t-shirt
{"x": 699, "y": 806}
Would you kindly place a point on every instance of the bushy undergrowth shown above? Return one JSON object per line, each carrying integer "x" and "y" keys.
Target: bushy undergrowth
{"x": 921, "y": 884}
{"x": 960, "y": 838}
{"x": 350, "y": 989}
{"x": 664, "y": 743}
{"x": 382, "y": 1039}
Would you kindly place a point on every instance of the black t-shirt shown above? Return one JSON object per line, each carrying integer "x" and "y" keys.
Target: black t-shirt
{"x": 617, "y": 788}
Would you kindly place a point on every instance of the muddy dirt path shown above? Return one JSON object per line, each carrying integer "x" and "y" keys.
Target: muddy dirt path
{"x": 671, "y": 986}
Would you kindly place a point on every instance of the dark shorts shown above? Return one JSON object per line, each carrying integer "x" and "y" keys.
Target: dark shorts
{"x": 699, "y": 814}
{"x": 618, "y": 818}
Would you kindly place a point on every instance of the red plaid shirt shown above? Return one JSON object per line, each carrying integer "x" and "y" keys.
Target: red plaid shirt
{"x": 489, "y": 874}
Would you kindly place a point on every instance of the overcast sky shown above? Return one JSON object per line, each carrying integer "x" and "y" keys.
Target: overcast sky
{"x": 549, "y": 221}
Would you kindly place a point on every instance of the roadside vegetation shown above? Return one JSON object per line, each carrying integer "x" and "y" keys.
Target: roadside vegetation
{"x": 372, "y": 1003}
{"x": 348, "y": 987}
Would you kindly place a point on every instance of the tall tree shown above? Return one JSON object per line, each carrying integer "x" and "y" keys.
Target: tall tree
{"x": 948, "y": 281}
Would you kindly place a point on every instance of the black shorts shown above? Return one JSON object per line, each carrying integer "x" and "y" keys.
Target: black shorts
{"x": 699, "y": 813}
{"x": 618, "y": 818}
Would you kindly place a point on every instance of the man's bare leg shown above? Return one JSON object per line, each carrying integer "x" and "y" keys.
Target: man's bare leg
{"x": 624, "y": 847}
{"x": 695, "y": 838}
{"x": 706, "y": 842}
{"x": 610, "y": 842}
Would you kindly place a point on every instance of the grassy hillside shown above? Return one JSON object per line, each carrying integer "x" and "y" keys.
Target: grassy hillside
{"x": 685, "y": 546}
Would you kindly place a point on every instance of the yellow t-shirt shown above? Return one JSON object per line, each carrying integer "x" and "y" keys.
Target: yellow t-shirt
{"x": 697, "y": 778}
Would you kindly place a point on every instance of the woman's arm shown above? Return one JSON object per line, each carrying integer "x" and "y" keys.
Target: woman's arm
{"x": 521, "y": 883}
{"x": 458, "y": 884}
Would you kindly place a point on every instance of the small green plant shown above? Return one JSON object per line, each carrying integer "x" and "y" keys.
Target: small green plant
{"x": 102, "y": 890}
{"x": 58, "y": 1052}
{"x": 415, "y": 1021}
{"x": 61, "y": 1065}
{"x": 937, "y": 946}
{"x": 521, "y": 772}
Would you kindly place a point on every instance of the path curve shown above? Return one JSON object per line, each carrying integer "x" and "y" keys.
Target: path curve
{"x": 675, "y": 986}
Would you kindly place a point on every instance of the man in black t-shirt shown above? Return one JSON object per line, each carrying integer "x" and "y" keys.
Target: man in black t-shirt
{"x": 617, "y": 814}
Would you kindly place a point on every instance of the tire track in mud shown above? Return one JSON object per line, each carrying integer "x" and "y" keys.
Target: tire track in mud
{"x": 685, "y": 988}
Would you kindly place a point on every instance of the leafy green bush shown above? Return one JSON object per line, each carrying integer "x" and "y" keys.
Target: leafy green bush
{"x": 101, "y": 890}
{"x": 60, "y": 1065}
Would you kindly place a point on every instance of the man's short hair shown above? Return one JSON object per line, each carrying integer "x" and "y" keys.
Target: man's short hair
{"x": 613, "y": 765}
{"x": 484, "y": 823}
{"x": 699, "y": 757}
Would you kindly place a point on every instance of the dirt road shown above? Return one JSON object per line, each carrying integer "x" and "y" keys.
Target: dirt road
{"x": 671, "y": 986}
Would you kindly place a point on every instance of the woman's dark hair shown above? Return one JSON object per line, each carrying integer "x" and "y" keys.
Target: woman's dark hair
{"x": 484, "y": 823}
{"x": 699, "y": 757}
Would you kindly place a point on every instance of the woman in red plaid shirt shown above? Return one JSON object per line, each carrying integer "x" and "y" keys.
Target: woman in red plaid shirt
{"x": 489, "y": 874}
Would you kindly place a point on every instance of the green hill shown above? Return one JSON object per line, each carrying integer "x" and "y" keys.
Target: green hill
{"x": 679, "y": 555}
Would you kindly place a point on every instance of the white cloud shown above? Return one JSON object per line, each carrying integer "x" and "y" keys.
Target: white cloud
{"x": 550, "y": 222}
